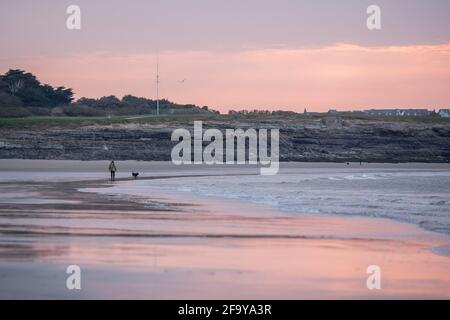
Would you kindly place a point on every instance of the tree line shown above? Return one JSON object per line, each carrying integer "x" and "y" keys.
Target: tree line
{"x": 22, "y": 94}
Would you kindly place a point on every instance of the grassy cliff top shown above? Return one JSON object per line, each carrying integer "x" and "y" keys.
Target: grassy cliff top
{"x": 39, "y": 122}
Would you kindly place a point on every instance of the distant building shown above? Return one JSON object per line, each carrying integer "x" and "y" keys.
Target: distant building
{"x": 398, "y": 112}
{"x": 444, "y": 113}
{"x": 309, "y": 113}
{"x": 414, "y": 112}
{"x": 381, "y": 112}
{"x": 332, "y": 111}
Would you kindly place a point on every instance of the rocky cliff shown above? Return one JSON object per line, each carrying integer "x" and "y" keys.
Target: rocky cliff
{"x": 327, "y": 139}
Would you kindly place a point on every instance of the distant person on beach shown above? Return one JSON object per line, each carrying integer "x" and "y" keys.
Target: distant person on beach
{"x": 112, "y": 169}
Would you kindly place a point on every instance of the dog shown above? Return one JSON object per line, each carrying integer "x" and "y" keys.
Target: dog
{"x": 135, "y": 174}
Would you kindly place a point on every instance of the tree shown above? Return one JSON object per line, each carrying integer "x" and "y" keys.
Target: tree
{"x": 31, "y": 92}
{"x": 109, "y": 102}
{"x": 15, "y": 86}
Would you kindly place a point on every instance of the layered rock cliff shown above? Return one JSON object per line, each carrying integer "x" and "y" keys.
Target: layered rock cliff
{"x": 327, "y": 139}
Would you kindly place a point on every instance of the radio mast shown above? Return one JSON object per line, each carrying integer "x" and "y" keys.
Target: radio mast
{"x": 157, "y": 85}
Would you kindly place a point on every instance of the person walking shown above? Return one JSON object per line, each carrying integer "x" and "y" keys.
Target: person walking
{"x": 112, "y": 169}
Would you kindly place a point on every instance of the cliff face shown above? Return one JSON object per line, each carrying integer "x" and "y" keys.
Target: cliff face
{"x": 327, "y": 140}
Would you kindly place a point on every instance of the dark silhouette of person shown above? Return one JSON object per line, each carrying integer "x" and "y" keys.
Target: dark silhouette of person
{"x": 112, "y": 169}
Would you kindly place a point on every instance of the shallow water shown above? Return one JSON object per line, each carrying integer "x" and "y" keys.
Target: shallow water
{"x": 421, "y": 197}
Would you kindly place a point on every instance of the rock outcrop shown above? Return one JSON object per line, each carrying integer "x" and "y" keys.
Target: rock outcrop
{"x": 327, "y": 139}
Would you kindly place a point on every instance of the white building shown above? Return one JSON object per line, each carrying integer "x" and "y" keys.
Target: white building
{"x": 381, "y": 112}
{"x": 444, "y": 113}
{"x": 399, "y": 112}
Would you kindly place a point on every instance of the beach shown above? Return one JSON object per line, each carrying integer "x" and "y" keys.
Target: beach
{"x": 223, "y": 232}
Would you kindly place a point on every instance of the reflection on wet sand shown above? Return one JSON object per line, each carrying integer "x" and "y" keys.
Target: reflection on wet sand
{"x": 167, "y": 248}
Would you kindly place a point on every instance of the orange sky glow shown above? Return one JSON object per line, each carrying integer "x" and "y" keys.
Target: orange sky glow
{"x": 340, "y": 76}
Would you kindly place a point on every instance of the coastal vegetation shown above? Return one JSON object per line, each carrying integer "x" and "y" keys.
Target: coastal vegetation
{"x": 25, "y": 102}
{"x": 23, "y": 95}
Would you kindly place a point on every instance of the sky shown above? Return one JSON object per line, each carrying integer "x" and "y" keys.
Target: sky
{"x": 238, "y": 54}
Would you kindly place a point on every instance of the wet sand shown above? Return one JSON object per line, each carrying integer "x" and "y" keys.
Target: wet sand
{"x": 170, "y": 247}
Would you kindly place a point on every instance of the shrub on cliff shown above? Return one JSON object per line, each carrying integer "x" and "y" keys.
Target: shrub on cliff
{"x": 12, "y": 112}
{"x": 77, "y": 110}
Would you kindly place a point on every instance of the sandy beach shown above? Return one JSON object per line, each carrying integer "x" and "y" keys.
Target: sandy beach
{"x": 146, "y": 239}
